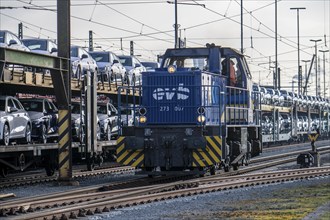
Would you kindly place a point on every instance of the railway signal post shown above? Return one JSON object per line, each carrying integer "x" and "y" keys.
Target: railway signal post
{"x": 311, "y": 158}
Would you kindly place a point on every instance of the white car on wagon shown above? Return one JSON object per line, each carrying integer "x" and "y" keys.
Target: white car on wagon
{"x": 15, "y": 122}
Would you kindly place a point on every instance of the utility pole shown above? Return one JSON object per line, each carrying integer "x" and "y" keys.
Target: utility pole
{"x": 90, "y": 41}
{"x": 131, "y": 48}
{"x": 315, "y": 41}
{"x": 241, "y": 26}
{"x": 276, "y": 64}
{"x": 176, "y": 24}
{"x": 324, "y": 51}
{"x": 299, "y": 68}
{"x": 306, "y": 61}
{"x": 20, "y": 30}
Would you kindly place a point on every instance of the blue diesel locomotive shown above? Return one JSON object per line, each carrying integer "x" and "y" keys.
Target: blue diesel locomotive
{"x": 196, "y": 113}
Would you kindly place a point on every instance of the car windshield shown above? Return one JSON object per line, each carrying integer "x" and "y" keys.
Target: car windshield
{"x": 126, "y": 61}
{"x": 75, "y": 108}
{"x": 74, "y": 52}
{"x": 255, "y": 88}
{"x": 2, "y": 104}
{"x": 36, "y": 44}
{"x": 102, "y": 109}
{"x": 100, "y": 57}
{"x": 2, "y": 37}
{"x": 35, "y": 106}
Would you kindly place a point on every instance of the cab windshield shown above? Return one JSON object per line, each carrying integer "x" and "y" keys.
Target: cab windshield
{"x": 187, "y": 62}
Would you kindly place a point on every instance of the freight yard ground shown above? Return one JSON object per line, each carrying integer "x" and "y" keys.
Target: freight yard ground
{"x": 295, "y": 200}
{"x": 303, "y": 199}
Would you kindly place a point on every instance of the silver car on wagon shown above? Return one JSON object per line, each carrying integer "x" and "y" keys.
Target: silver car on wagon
{"x": 15, "y": 122}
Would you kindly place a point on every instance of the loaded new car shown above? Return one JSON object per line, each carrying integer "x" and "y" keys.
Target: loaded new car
{"x": 109, "y": 66}
{"x": 77, "y": 122}
{"x": 44, "y": 117}
{"x": 15, "y": 122}
{"x": 134, "y": 69}
{"x": 42, "y": 46}
{"x": 108, "y": 117}
{"x": 10, "y": 40}
{"x": 81, "y": 62}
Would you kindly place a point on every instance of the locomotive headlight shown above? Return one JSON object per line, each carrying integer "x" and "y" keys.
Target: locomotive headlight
{"x": 201, "y": 118}
{"x": 143, "y": 119}
{"x": 171, "y": 69}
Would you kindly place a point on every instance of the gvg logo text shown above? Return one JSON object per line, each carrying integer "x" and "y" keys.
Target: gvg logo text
{"x": 180, "y": 93}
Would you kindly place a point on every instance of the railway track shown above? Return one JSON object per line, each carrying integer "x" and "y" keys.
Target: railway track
{"x": 40, "y": 178}
{"x": 307, "y": 145}
{"x": 105, "y": 201}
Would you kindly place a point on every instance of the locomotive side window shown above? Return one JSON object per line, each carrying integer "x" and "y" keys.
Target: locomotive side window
{"x": 233, "y": 69}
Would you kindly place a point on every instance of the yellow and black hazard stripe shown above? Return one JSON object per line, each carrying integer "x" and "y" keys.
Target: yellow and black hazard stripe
{"x": 209, "y": 156}
{"x": 129, "y": 157}
{"x": 64, "y": 143}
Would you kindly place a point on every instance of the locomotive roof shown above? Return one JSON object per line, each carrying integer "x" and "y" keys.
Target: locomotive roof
{"x": 199, "y": 51}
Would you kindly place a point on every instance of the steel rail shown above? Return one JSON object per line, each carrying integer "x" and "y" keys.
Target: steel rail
{"x": 106, "y": 204}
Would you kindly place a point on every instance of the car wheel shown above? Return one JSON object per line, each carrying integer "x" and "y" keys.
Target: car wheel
{"x": 106, "y": 76}
{"x": 126, "y": 79}
{"x": 28, "y": 134}
{"x": 109, "y": 133}
{"x": 6, "y": 135}
{"x": 98, "y": 132}
{"x": 44, "y": 134}
{"x": 78, "y": 72}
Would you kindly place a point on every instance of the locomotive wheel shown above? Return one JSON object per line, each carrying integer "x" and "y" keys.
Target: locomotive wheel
{"x": 212, "y": 170}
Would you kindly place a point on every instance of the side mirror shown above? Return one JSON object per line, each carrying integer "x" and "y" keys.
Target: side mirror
{"x": 137, "y": 65}
{"x": 115, "y": 61}
{"x": 12, "y": 41}
{"x": 84, "y": 56}
{"x": 53, "y": 50}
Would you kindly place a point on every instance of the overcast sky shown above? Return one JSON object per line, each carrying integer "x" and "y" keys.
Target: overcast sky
{"x": 149, "y": 23}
